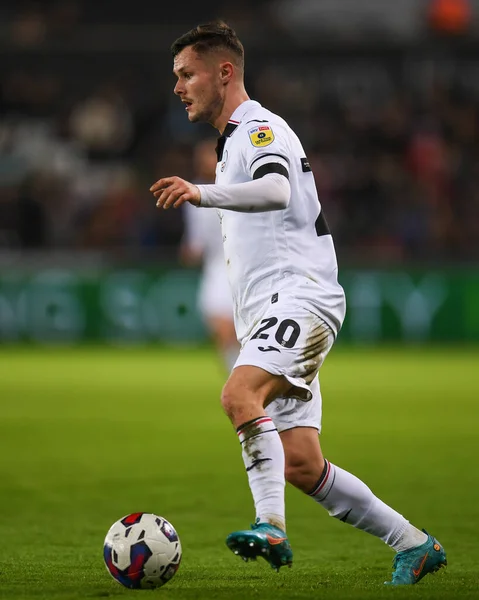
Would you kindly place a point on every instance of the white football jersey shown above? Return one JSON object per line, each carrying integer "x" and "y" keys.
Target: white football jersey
{"x": 266, "y": 252}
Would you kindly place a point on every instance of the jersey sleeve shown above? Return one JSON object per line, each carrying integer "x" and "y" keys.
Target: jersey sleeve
{"x": 266, "y": 149}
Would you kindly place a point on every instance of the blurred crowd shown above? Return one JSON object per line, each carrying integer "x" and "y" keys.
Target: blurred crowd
{"x": 394, "y": 148}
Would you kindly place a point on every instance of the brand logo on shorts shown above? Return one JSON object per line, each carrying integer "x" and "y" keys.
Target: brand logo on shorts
{"x": 268, "y": 349}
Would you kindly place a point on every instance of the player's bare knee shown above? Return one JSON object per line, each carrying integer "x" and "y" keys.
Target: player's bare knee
{"x": 238, "y": 400}
{"x": 229, "y": 399}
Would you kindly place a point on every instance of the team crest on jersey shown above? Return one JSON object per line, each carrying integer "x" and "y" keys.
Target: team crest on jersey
{"x": 261, "y": 136}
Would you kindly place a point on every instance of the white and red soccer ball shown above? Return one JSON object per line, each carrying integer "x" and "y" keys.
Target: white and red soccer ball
{"x": 142, "y": 551}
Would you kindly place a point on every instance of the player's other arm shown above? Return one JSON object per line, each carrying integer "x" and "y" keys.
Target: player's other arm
{"x": 265, "y": 155}
{"x": 267, "y": 192}
{"x": 270, "y": 190}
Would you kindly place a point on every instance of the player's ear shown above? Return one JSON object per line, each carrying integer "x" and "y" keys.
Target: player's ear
{"x": 226, "y": 72}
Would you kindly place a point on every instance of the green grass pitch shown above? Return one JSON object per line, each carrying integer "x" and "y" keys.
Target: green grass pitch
{"x": 89, "y": 435}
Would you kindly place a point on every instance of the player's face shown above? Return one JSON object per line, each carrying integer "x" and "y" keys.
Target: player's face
{"x": 199, "y": 85}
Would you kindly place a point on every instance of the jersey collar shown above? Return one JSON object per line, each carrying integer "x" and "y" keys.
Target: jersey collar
{"x": 241, "y": 111}
{"x": 233, "y": 123}
{"x": 238, "y": 116}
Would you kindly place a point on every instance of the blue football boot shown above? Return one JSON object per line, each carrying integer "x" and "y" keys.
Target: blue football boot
{"x": 265, "y": 540}
{"x": 411, "y": 565}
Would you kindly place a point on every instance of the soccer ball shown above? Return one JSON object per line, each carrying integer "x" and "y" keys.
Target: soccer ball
{"x": 142, "y": 550}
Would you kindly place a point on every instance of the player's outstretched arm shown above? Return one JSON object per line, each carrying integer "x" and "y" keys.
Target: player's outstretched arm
{"x": 270, "y": 192}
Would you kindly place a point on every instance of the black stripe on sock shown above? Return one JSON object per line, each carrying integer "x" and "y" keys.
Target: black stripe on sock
{"x": 320, "y": 480}
{"x": 331, "y": 487}
{"x": 248, "y": 423}
{"x": 259, "y": 433}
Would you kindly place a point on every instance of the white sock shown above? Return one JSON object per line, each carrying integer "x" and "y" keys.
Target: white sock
{"x": 263, "y": 456}
{"x": 350, "y": 500}
{"x": 411, "y": 538}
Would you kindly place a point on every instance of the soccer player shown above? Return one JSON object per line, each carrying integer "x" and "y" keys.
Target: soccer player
{"x": 289, "y": 307}
{"x": 202, "y": 243}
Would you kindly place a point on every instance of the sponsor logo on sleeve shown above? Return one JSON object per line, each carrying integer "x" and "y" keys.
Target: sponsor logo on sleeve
{"x": 261, "y": 136}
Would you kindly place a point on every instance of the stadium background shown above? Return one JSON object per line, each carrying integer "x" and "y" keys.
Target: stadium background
{"x": 108, "y": 385}
{"x": 385, "y": 101}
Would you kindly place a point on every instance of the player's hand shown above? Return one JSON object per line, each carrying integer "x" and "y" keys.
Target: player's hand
{"x": 174, "y": 191}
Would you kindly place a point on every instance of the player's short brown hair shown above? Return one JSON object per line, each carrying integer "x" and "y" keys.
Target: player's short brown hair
{"x": 211, "y": 36}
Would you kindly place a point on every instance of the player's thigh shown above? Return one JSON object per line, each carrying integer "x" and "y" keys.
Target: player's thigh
{"x": 290, "y": 341}
{"x": 248, "y": 384}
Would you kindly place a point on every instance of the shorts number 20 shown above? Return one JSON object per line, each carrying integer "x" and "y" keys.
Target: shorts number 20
{"x": 287, "y": 333}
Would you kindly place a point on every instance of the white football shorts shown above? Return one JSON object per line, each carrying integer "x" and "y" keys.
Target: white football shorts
{"x": 291, "y": 340}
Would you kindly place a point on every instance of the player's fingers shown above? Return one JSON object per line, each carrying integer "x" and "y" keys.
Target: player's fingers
{"x": 181, "y": 200}
{"x": 157, "y": 186}
{"x": 167, "y": 197}
{"x": 162, "y": 183}
{"x": 163, "y": 196}
{"x": 173, "y": 197}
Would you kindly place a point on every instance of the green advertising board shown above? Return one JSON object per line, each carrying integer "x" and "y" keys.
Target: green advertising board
{"x": 144, "y": 305}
